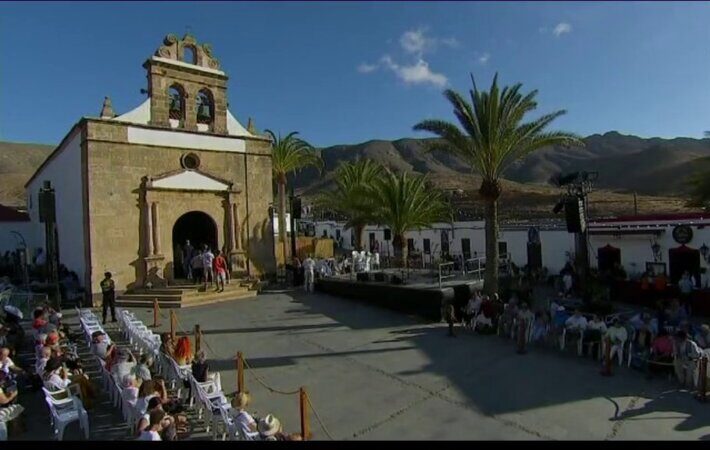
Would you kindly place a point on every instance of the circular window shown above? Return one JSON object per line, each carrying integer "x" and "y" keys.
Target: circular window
{"x": 190, "y": 161}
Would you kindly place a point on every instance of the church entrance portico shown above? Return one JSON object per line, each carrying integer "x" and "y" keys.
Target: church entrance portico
{"x": 187, "y": 205}
{"x": 198, "y": 228}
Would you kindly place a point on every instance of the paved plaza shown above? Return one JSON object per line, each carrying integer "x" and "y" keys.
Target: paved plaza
{"x": 375, "y": 374}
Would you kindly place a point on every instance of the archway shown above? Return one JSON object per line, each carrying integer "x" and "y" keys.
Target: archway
{"x": 197, "y": 227}
{"x": 681, "y": 259}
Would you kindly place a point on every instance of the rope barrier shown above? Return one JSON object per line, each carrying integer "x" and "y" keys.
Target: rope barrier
{"x": 320, "y": 422}
{"x": 266, "y": 386}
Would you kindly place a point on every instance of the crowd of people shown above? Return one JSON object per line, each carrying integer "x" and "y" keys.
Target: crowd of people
{"x": 201, "y": 265}
{"x": 664, "y": 342}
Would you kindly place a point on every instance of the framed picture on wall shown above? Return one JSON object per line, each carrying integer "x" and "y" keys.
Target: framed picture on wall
{"x": 656, "y": 268}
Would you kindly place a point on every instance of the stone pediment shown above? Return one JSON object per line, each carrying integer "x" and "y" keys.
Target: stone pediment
{"x": 189, "y": 180}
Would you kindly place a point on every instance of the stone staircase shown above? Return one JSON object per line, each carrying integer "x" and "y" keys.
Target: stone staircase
{"x": 182, "y": 294}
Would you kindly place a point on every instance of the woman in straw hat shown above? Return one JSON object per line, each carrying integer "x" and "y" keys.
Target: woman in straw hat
{"x": 247, "y": 424}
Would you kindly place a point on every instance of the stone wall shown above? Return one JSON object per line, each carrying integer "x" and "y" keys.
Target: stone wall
{"x": 117, "y": 216}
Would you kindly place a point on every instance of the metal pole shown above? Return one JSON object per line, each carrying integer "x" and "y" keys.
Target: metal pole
{"x": 198, "y": 338}
{"x": 156, "y": 308}
{"x": 173, "y": 325}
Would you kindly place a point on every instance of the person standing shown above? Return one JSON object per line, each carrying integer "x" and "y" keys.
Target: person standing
{"x": 196, "y": 264}
{"x": 220, "y": 270}
{"x": 309, "y": 273}
{"x": 187, "y": 253}
{"x": 108, "y": 291}
{"x": 685, "y": 286}
{"x": 686, "y": 354}
{"x": 450, "y": 315}
{"x": 207, "y": 261}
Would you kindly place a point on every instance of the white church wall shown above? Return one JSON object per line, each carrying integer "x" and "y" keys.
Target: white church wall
{"x": 165, "y": 138}
{"x": 64, "y": 172}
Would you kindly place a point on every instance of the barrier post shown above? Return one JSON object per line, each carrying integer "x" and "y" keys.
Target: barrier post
{"x": 156, "y": 316}
{"x": 606, "y": 370}
{"x": 303, "y": 403}
{"x": 521, "y": 336}
{"x": 240, "y": 372}
{"x": 173, "y": 325}
{"x": 702, "y": 385}
{"x": 198, "y": 338}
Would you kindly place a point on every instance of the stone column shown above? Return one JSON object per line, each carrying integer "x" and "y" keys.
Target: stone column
{"x": 148, "y": 229}
{"x": 156, "y": 230}
{"x": 229, "y": 241}
{"x": 237, "y": 227}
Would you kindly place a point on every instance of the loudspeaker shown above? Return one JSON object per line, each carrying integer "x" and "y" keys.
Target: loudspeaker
{"x": 379, "y": 276}
{"x": 574, "y": 215}
{"x": 363, "y": 276}
{"x": 46, "y": 206}
{"x": 296, "y": 207}
{"x": 388, "y": 234}
{"x": 396, "y": 280}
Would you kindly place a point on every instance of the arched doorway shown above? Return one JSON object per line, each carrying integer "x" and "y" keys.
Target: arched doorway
{"x": 607, "y": 257}
{"x": 681, "y": 259}
{"x": 199, "y": 229}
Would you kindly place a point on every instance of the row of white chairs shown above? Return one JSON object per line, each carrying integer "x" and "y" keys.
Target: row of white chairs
{"x": 211, "y": 403}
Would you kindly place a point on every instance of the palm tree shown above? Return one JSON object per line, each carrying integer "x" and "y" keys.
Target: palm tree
{"x": 494, "y": 136}
{"x": 289, "y": 155}
{"x": 405, "y": 203}
{"x": 350, "y": 198}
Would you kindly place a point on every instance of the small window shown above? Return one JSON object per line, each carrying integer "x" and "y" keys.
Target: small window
{"x": 427, "y": 246}
{"x": 205, "y": 107}
{"x": 410, "y": 245}
{"x": 503, "y": 249}
{"x": 188, "y": 54}
{"x": 176, "y": 108}
{"x": 190, "y": 161}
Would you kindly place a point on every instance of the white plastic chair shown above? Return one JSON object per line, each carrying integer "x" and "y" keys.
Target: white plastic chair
{"x": 65, "y": 411}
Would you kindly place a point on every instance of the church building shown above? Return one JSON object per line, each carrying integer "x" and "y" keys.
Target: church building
{"x": 132, "y": 188}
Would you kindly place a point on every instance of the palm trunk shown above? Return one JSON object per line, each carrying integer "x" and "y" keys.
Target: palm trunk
{"x": 282, "y": 218}
{"x": 400, "y": 250}
{"x": 490, "y": 281}
{"x": 358, "y": 236}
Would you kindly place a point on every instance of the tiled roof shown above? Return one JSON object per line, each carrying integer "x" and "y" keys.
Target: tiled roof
{"x": 8, "y": 214}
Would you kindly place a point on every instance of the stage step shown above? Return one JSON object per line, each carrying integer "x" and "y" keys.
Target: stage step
{"x": 180, "y": 296}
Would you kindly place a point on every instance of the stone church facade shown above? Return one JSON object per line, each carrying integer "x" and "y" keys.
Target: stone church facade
{"x": 130, "y": 189}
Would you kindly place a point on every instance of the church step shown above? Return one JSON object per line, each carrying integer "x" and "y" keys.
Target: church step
{"x": 204, "y": 298}
{"x": 216, "y": 297}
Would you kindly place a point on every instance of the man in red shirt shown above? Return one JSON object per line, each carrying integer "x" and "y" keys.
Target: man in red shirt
{"x": 220, "y": 270}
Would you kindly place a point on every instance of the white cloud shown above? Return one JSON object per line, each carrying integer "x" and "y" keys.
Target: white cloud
{"x": 417, "y": 42}
{"x": 366, "y": 68}
{"x": 562, "y": 28}
{"x": 417, "y": 73}
{"x": 483, "y": 59}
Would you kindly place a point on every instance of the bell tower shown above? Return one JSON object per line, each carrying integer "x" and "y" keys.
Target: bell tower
{"x": 186, "y": 88}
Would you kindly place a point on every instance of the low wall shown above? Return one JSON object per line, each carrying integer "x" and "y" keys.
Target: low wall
{"x": 422, "y": 302}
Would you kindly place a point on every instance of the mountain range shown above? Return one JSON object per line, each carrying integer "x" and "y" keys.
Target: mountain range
{"x": 655, "y": 168}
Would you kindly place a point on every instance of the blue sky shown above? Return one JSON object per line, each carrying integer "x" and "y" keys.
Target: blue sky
{"x": 349, "y": 72}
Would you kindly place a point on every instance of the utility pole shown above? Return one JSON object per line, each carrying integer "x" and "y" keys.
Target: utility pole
{"x": 47, "y": 214}
{"x": 294, "y": 204}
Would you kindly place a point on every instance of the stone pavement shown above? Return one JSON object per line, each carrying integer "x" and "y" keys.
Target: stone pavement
{"x": 375, "y": 374}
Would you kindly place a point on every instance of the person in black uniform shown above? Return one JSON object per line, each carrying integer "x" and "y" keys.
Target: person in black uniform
{"x": 109, "y": 296}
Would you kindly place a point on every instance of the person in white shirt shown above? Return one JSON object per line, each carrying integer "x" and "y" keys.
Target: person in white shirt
{"x": 247, "y": 424}
{"x": 472, "y": 308}
{"x": 207, "y": 271}
{"x": 617, "y": 337}
{"x": 6, "y": 364}
{"x": 575, "y": 327}
{"x": 41, "y": 362}
{"x": 309, "y": 273}
{"x": 130, "y": 389}
{"x": 596, "y": 328}
{"x": 152, "y": 433}
{"x": 55, "y": 377}
{"x": 124, "y": 365}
